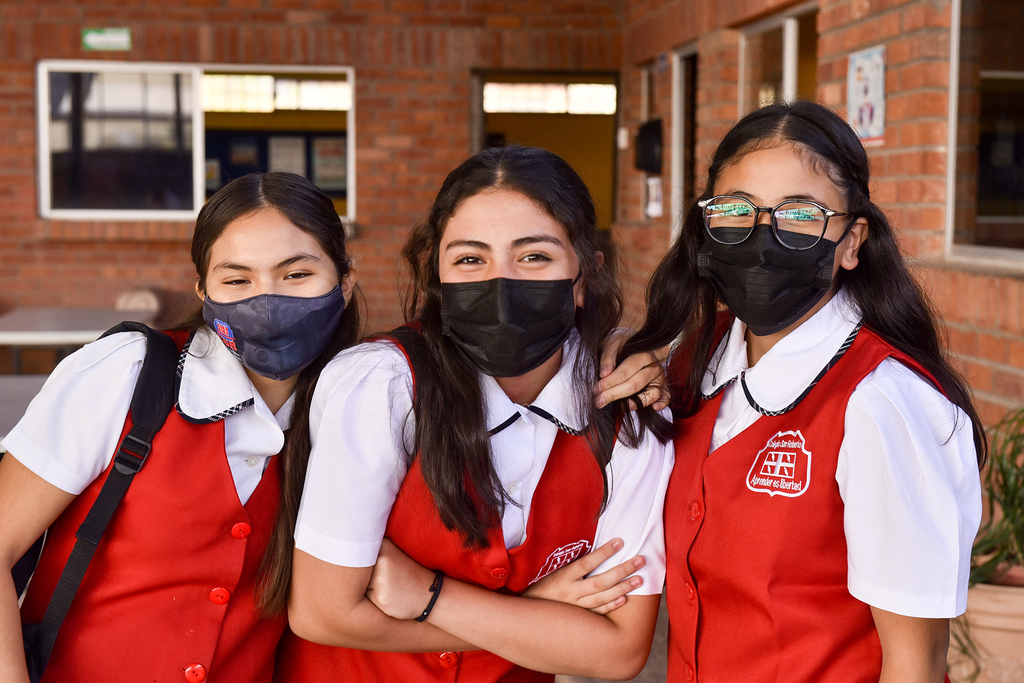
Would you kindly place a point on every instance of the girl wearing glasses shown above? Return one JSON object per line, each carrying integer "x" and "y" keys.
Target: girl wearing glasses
{"x": 820, "y": 517}
{"x": 469, "y": 444}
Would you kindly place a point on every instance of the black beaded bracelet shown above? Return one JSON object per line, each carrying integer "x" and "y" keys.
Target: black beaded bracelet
{"x": 435, "y": 588}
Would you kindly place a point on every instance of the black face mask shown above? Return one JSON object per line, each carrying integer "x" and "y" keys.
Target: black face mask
{"x": 508, "y": 327}
{"x": 764, "y": 284}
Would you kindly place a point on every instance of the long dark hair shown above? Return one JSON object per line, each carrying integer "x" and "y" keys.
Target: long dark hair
{"x": 451, "y": 435}
{"x": 680, "y": 302}
{"x": 310, "y": 210}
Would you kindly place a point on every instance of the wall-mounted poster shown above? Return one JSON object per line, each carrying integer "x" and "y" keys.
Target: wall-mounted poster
{"x": 330, "y": 163}
{"x": 286, "y": 153}
{"x": 865, "y": 94}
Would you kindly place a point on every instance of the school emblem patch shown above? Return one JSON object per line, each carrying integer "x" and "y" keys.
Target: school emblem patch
{"x": 782, "y": 467}
{"x": 224, "y": 332}
{"x": 562, "y": 557}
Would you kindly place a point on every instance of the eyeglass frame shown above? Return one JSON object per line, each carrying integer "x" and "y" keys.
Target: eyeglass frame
{"x": 758, "y": 210}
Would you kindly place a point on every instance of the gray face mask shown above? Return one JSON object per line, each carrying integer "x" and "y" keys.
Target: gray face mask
{"x": 273, "y": 335}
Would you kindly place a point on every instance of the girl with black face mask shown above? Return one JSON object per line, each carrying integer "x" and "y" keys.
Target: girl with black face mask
{"x": 189, "y": 579}
{"x": 459, "y": 461}
{"x": 820, "y": 517}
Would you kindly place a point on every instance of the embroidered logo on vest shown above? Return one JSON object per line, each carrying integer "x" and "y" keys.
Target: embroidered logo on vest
{"x": 562, "y": 557}
{"x": 782, "y": 467}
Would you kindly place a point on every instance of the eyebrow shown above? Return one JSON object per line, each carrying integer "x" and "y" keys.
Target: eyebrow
{"x": 516, "y": 244}
{"x": 303, "y": 256}
{"x": 788, "y": 198}
{"x": 535, "y": 239}
{"x": 472, "y": 244}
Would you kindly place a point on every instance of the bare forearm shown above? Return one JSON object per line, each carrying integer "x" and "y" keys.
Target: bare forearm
{"x": 549, "y": 636}
{"x": 328, "y": 605}
{"x": 913, "y": 649}
{"x": 927, "y": 667}
{"x": 12, "y": 649}
{"x": 365, "y": 627}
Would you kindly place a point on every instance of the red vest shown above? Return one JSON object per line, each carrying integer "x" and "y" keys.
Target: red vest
{"x": 757, "y": 568}
{"x": 170, "y": 593}
{"x": 561, "y": 527}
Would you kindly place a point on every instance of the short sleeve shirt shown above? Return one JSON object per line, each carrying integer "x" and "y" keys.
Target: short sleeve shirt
{"x": 362, "y": 426}
{"x": 907, "y": 469}
{"x": 71, "y": 428}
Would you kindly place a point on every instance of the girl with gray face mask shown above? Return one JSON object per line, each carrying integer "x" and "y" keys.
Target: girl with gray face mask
{"x": 194, "y": 565}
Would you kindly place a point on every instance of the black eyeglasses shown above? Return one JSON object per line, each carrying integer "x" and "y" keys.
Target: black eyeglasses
{"x": 798, "y": 225}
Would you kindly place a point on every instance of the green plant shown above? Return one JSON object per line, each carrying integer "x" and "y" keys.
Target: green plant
{"x": 999, "y": 545}
{"x": 1000, "y": 541}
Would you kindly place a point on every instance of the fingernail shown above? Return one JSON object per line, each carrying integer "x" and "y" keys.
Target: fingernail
{"x": 639, "y": 562}
{"x": 617, "y": 544}
{"x": 600, "y": 402}
{"x": 635, "y": 582}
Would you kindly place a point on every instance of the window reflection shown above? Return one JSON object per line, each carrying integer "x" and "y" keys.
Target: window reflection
{"x": 121, "y": 140}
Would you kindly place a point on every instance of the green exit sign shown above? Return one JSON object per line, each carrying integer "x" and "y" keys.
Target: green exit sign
{"x": 106, "y": 39}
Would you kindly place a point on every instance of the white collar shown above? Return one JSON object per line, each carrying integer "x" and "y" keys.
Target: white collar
{"x": 213, "y": 384}
{"x": 789, "y": 367}
{"x": 557, "y": 398}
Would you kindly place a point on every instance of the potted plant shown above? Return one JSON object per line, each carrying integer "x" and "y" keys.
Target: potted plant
{"x": 988, "y": 641}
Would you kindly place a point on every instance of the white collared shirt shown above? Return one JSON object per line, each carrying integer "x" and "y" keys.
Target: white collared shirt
{"x": 907, "y": 469}
{"x": 361, "y": 425}
{"x": 71, "y": 428}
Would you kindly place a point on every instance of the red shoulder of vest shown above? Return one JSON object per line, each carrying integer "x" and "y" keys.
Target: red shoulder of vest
{"x": 902, "y": 358}
{"x": 179, "y": 337}
{"x": 679, "y": 364}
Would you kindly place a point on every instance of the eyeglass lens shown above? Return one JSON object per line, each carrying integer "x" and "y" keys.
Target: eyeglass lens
{"x": 730, "y": 220}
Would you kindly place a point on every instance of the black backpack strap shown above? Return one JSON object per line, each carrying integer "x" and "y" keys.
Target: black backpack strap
{"x": 152, "y": 401}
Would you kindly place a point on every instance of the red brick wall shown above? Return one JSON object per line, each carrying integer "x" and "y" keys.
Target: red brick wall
{"x": 982, "y": 310}
{"x": 413, "y": 61}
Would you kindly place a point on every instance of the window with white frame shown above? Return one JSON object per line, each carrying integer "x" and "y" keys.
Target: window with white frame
{"x": 779, "y": 59}
{"x": 144, "y": 141}
{"x": 985, "y": 184}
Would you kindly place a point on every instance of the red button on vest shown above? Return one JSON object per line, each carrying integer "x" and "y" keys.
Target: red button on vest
{"x": 499, "y": 573}
{"x": 448, "y": 660}
{"x": 220, "y": 596}
{"x": 240, "y": 530}
{"x": 695, "y": 511}
{"x": 689, "y": 672}
{"x": 195, "y": 673}
{"x": 690, "y": 593}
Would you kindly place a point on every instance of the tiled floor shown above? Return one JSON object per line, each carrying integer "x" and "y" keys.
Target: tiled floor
{"x": 655, "y": 671}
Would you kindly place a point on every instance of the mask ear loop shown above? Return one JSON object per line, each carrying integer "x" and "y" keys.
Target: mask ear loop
{"x": 849, "y": 227}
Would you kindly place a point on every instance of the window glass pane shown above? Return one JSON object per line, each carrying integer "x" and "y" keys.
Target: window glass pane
{"x": 536, "y": 98}
{"x": 121, "y": 140}
{"x": 763, "y": 69}
{"x": 591, "y": 98}
{"x": 252, "y": 93}
{"x": 549, "y": 98}
{"x": 1001, "y": 163}
{"x": 990, "y": 131}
